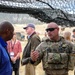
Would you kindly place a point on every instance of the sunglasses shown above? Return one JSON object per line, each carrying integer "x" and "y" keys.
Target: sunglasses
{"x": 50, "y": 29}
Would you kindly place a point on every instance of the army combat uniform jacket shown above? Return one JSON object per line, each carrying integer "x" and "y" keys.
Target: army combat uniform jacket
{"x": 57, "y": 57}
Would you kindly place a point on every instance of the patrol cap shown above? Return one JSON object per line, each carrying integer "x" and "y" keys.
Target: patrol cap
{"x": 29, "y": 25}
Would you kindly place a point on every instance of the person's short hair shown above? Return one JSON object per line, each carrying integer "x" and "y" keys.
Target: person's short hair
{"x": 29, "y": 25}
{"x": 73, "y": 30}
{"x": 67, "y": 35}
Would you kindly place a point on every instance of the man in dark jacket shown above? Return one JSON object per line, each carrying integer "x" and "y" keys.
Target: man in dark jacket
{"x": 33, "y": 42}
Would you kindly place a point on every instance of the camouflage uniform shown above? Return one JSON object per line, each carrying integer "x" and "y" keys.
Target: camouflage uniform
{"x": 57, "y": 57}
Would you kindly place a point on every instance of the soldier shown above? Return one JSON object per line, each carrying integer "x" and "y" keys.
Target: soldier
{"x": 55, "y": 52}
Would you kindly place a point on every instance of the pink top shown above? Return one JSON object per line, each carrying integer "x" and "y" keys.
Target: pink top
{"x": 14, "y": 47}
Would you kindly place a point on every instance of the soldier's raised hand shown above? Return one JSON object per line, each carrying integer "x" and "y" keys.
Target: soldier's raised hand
{"x": 34, "y": 55}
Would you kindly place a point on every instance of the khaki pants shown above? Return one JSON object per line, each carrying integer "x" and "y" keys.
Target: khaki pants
{"x": 29, "y": 69}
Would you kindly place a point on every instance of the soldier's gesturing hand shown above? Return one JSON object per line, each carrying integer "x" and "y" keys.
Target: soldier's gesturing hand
{"x": 34, "y": 55}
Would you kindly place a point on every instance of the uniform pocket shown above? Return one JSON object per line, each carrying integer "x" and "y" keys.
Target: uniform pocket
{"x": 57, "y": 58}
{"x": 54, "y": 58}
{"x": 64, "y": 58}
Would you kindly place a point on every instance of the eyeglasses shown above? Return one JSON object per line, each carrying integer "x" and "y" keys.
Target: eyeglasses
{"x": 50, "y": 29}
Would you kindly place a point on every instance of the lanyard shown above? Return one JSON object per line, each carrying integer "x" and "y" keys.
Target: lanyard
{"x": 12, "y": 45}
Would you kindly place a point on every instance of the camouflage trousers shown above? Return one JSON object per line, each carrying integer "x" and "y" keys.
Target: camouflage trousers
{"x": 56, "y": 72}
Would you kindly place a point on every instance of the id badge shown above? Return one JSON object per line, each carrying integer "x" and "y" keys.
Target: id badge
{"x": 11, "y": 54}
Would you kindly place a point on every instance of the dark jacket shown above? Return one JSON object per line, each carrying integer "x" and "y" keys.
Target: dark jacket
{"x": 33, "y": 42}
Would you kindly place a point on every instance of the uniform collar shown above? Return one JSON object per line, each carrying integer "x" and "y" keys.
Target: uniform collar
{"x": 61, "y": 38}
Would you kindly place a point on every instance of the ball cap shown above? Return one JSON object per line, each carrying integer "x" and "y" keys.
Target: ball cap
{"x": 29, "y": 25}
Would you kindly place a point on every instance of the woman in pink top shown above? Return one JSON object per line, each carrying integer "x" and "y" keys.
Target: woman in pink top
{"x": 14, "y": 49}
